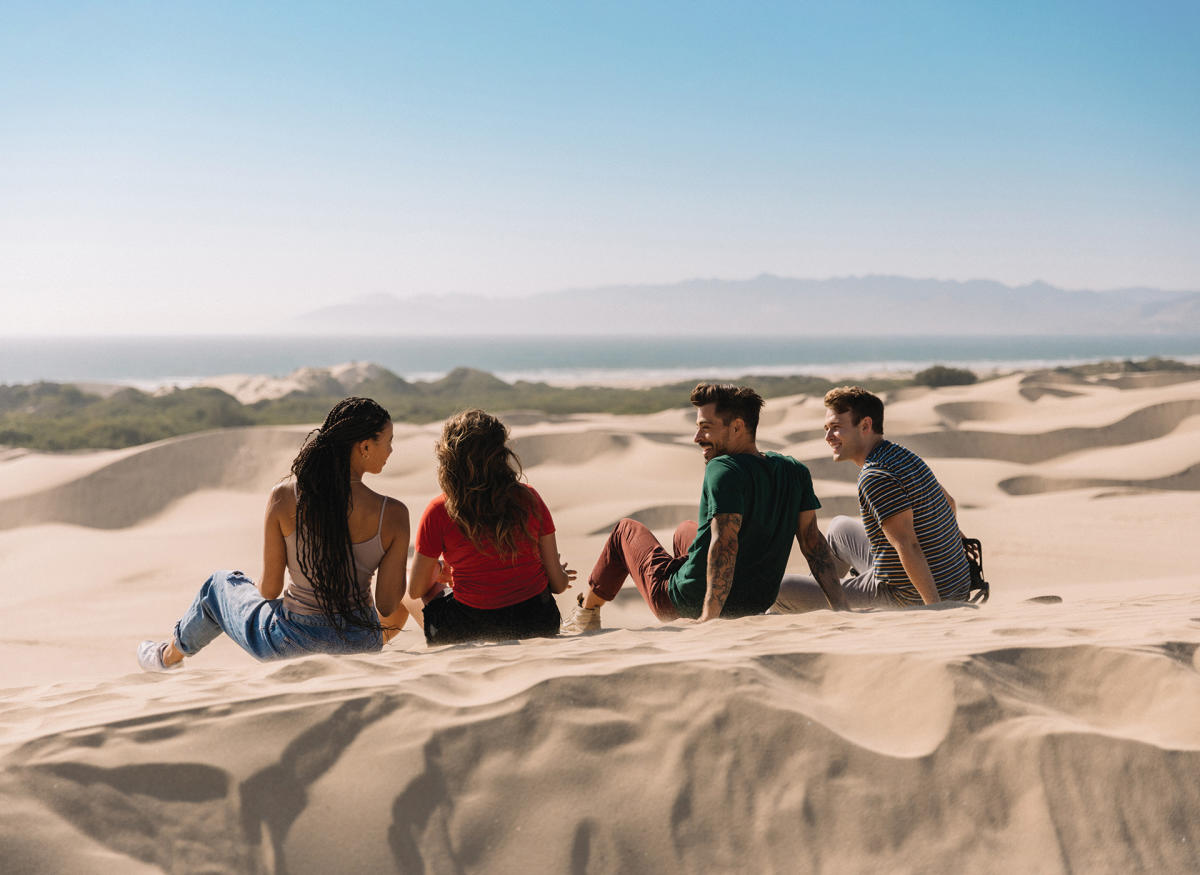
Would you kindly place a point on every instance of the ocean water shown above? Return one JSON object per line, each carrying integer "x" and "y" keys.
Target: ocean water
{"x": 156, "y": 361}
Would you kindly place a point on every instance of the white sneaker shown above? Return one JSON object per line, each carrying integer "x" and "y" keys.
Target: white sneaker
{"x": 150, "y": 656}
{"x": 581, "y": 619}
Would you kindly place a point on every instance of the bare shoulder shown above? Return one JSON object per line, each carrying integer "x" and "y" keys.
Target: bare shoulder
{"x": 282, "y": 498}
{"x": 395, "y": 511}
{"x": 395, "y": 517}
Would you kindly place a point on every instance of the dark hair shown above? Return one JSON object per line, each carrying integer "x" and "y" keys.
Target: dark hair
{"x": 479, "y": 475}
{"x": 858, "y": 402}
{"x": 323, "y": 498}
{"x": 732, "y": 402}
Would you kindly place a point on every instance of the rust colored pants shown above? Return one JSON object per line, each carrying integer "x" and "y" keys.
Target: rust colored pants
{"x": 633, "y": 551}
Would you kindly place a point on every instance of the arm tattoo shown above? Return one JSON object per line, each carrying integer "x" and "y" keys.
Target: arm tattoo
{"x": 821, "y": 563}
{"x": 820, "y": 560}
{"x": 722, "y": 558}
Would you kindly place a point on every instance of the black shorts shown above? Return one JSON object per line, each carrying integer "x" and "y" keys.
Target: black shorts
{"x": 451, "y": 622}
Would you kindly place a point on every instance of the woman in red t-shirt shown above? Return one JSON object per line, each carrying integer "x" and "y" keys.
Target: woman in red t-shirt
{"x": 496, "y": 535}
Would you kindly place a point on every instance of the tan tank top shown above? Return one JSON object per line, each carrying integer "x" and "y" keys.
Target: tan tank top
{"x": 298, "y": 595}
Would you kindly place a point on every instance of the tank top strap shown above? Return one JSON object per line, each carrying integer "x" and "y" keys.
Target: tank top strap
{"x": 382, "y": 508}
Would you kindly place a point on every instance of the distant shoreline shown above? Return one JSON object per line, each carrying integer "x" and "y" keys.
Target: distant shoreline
{"x": 150, "y": 363}
{"x": 615, "y": 379}
{"x": 637, "y": 379}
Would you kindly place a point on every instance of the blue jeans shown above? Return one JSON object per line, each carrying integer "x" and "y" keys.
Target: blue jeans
{"x": 229, "y": 602}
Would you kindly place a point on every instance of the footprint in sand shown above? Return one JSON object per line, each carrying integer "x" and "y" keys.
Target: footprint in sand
{"x": 1046, "y": 599}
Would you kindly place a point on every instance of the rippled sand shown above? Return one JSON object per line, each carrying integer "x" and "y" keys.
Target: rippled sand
{"x": 1031, "y": 734}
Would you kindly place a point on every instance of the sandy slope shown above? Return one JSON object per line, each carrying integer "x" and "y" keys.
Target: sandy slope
{"x": 1020, "y": 736}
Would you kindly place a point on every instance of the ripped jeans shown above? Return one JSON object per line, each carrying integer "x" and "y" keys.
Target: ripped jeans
{"x": 229, "y": 602}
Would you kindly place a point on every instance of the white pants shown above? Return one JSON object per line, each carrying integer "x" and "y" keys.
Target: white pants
{"x": 848, "y": 540}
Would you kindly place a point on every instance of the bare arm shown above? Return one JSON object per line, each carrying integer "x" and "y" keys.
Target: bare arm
{"x": 820, "y": 559}
{"x": 394, "y": 622}
{"x": 270, "y": 584}
{"x": 390, "y": 578}
{"x": 557, "y": 572}
{"x": 722, "y": 557}
{"x": 423, "y": 576}
{"x": 898, "y": 528}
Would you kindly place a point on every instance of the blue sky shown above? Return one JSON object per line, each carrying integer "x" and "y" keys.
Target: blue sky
{"x": 213, "y": 165}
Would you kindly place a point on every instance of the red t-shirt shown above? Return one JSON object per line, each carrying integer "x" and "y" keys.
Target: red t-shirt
{"x": 484, "y": 578}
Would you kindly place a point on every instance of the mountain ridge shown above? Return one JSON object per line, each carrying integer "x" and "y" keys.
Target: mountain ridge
{"x": 770, "y": 304}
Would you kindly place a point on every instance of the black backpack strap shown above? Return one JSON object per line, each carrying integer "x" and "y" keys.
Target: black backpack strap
{"x": 979, "y": 586}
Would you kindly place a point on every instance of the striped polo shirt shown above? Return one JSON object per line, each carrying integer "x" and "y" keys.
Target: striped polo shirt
{"x": 894, "y": 480}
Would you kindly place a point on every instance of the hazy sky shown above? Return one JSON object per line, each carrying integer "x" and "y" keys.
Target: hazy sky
{"x": 209, "y": 165}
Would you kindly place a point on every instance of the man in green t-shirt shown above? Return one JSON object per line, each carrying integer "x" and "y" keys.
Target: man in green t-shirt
{"x": 751, "y": 506}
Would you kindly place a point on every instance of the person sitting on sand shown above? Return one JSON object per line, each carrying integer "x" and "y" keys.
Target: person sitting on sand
{"x": 751, "y": 506}
{"x": 906, "y": 549}
{"x": 332, "y": 533}
{"x": 501, "y": 564}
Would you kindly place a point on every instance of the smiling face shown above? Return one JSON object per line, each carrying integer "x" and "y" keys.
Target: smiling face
{"x": 849, "y": 441}
{"x": 713, "y": 436}
{"x": 374, "y": 452}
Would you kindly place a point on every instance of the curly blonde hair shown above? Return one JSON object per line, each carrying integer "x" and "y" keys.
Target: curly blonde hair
{"x": 480, "y": 477}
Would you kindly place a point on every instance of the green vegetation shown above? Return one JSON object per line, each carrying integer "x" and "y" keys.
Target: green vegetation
{"x": 940, "y": 375}
{"x": 1129, "y": 366}
{"x": 53, "y": 416}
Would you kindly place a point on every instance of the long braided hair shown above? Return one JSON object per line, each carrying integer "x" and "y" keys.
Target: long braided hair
{"x": 323, "y": 499}
{"x": 479, "y": 475}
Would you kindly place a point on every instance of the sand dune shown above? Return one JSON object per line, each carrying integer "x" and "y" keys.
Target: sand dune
{"x": 140, "y": 483}
{"x": 658, "y": 516}
{"x": 1187, "y": 479}
{"x": 251, "y": 388}
{"x": 1016, "y": 736}
{"x": 538, "y": 449}
{"x": 954, "y": 413}
{"x": 768, "y": 744}
{"x": 1145, "y": 424}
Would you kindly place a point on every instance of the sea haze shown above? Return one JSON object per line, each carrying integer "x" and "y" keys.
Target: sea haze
{"x": 766, "y": 305}
{"x": 156, "y": 361}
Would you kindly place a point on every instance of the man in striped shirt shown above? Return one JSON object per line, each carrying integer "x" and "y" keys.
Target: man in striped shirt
{"x": 907, "y": 549}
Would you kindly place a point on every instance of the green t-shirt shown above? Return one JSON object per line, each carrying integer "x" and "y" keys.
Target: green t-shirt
{"x": 769, "y": 491}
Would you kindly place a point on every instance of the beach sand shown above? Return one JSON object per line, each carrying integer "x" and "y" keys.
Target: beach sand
{"x": 1053, "y": 735}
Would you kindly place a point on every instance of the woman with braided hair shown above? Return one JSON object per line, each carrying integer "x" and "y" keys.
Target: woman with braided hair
{"x": 332, "y": 534}
{"x": 501, "y": 565}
